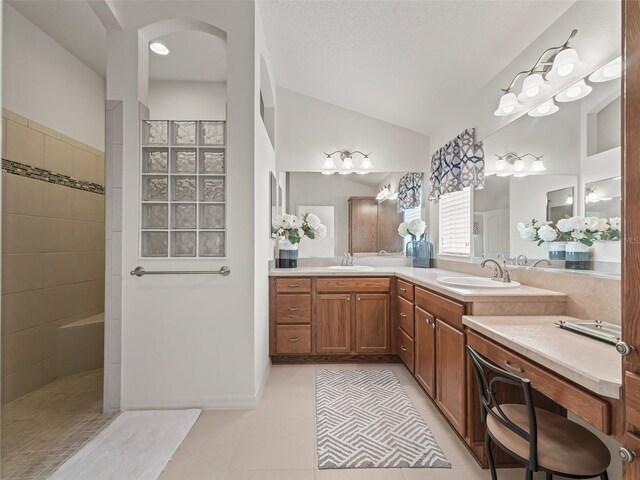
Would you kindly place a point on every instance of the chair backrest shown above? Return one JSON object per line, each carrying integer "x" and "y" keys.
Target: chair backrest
{"x": 491, "y": 406}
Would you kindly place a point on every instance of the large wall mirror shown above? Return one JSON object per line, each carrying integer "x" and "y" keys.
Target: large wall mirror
{"x": 552, "y": 168}
{"x": 360, "y": 212}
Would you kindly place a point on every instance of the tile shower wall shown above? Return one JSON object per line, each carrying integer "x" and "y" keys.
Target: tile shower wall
{"x": 52, "y": 249}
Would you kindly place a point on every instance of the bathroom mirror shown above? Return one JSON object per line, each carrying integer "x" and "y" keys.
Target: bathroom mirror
{"x": 551, "y": 167}
{"x": 360, "y": 212}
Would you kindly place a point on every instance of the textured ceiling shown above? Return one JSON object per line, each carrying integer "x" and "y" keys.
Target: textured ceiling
{"x": 404, "y": 62}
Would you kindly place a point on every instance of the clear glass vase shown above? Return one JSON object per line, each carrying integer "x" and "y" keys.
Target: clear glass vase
{"x": 287, "y": 254}
{"x": 409, "y": 249}
{"x": 423, "y": 253}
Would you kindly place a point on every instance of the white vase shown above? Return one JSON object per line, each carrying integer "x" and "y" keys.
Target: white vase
{"x": 607, "y": 252}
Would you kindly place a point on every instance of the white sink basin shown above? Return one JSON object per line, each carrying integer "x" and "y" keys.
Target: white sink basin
{"x": 352, "y": 268}
{"x": 475, "y": 282}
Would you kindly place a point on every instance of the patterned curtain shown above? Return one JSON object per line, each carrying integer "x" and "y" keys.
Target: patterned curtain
{"x": 457, "y": 165}
{"x": 409, "y": 191}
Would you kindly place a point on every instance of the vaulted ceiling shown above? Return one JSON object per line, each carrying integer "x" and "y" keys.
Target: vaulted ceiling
{"x": 404, "y": 62}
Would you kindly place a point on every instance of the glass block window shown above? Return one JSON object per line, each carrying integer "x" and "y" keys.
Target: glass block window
{"x": 183, "y": 189}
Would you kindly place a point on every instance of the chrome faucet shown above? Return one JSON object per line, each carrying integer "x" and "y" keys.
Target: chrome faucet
{"x": 522, "y": 260}
{"x": 383, "y": 252}
{"x": 500, "y": 273}
{"x": 537, "y": 262}
{"x": 347, "y": 260}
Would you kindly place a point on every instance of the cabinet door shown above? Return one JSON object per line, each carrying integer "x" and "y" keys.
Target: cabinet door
{"x": 333, "y": 323}
{"x": 450, "y": 374}
{"x": 425, "y": 346}
{"x": 373, "y": 328}
{"x": 363, "y": 225}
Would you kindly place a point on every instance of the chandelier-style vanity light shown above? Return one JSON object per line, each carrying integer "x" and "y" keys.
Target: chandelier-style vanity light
{"x": 346, "y": 165}
{"x": 610, "y": 71}
{"x": 555, "y": 63}
{"x": 511, "y": 164}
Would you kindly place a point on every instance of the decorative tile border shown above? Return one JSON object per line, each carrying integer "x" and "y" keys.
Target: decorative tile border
{"x": 36, "y": 173}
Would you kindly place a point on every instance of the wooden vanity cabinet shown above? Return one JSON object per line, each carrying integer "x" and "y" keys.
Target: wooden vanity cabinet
{"x": 328, "y": 316}
{"x": 425, "y": 356}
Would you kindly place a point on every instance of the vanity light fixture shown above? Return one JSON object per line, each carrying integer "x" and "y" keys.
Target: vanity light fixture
{"x": 547, "y": 108}
{"x": 512, "y": 164}
{"x": 159, "y": 48}
{"x": 555, "y": 63}
{"x": 575, "y": 92}
{"x": 569, "y": 200}
{"x": 610, "y": 71}
{"x": 591, "y": 196}
{"x": 383, "y": 194}
{"x": 347, "y": 165}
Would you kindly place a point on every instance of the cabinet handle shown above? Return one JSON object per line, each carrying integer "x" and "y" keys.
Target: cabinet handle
{"x": 507, "y": 364}
{"x": 428, "y": 321}
{"x": 359, "y": 298}
{"x": 403, "y": 315}
{"x": 294, "y": 309}
{"x": 348, "y": 299}
{"x": 294, "y": 339}
{"x": 433, "y": 325}
{"x": 403, "y": 348}
{"x": 403, "y": 289}
{"x": 293, "y": 285}
{"x": 626, "y": 455}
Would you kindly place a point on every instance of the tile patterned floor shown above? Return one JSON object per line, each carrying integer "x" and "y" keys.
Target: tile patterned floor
{"x": 277, "y": 441}
{"x": 41, "y": 430}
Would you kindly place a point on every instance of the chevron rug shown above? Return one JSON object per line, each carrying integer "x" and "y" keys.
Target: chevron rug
{"x": 365, "y": 420}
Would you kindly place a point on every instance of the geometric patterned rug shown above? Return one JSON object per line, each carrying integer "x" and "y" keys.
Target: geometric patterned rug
{"x": 364, "y": 419}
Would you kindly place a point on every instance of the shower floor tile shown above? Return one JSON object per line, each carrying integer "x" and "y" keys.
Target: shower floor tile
{"x": 41, "y": 430}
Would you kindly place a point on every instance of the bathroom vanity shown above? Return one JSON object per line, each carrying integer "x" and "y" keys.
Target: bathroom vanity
{"x": 403, "y": 314}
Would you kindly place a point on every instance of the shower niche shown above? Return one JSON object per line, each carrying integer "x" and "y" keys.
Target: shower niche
{"x": 183, "y": 189}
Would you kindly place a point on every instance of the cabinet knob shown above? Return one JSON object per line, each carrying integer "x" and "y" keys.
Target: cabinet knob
{"x": 294, "y": 339}
{"x": 433, "y": 325}
{"x": 428, "y": 322}
{"x": 359, "y": 298}
{"x": 626, "y": 455}
{"x": 403, "y": 348}
{"x": 348, "y": 299}
{"x": 403, "y": 315}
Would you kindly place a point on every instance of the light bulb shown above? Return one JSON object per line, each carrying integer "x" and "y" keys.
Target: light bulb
{"x": 610, "y": 71}
{"x": 544, "y": 109}
{"x": 347, "y": 163}
{"x": 327, "y": 172}
{"x": 518, "y": 165}
{"x": 566, "y": 62}
{"x": 574, "y": 91}
{"x": 366, "y": 163}
{"x": 159, "y": 48}
{"x": 508, "y": 104}
{"x": 500, "y": 165}
{"x": 328, "y": 163}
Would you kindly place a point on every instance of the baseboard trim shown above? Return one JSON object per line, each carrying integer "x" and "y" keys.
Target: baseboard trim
{"x": 364, "y": 358}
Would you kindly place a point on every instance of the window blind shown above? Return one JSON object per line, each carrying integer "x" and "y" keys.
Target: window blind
{"x": 455, "y": 223}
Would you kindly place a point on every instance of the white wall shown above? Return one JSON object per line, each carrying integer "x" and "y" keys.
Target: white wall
{"x": 187, "y": 100}
{"x": 189, "y": 340}
{"x": 307, "y": 127}
{"x": 44, "y": 82}
{"x": 312, "y": 188}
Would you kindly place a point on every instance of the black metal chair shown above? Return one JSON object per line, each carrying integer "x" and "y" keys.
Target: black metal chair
{"x": 539, "y": 439}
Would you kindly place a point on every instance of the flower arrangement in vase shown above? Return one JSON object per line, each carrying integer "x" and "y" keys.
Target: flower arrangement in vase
{"x": 418, "y": 247}
{"x": 290, "y": 231}
{"x": 570, "y": 238}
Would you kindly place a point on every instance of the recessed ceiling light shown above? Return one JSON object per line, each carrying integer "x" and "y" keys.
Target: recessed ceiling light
{"x": 159, "y": 48}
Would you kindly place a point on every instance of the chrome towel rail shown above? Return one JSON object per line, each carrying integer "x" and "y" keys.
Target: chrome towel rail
{"x": 139, "y": 271}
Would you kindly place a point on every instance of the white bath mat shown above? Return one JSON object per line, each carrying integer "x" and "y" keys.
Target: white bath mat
{"x": 136, "y": 446}
{"x": 365, "y": 419}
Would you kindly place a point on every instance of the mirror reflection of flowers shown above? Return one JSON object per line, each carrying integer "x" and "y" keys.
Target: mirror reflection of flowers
{"x": 585, "y": 230}
{"x": 294, "y": 229}
{"x": 415, "y": 228}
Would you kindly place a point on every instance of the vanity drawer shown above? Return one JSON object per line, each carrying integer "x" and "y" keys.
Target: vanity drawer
{"x": 340, "y": 285}
{"x": 578, "y": 401}
{"x": 293, "y": 339}
{"x": 405, "y": 349}
{"x": 441, "y": 307}
{"x": 293, "y": 285}
{"x": 405, "y": 290}
{"x": 292, "y": 308}
{"x": 405, "y": 316}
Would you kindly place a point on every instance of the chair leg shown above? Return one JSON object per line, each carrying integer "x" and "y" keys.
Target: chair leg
{"x": 528, "y": 474}
{"x": 604, "y": 476}
{"x": 488, "y": 446}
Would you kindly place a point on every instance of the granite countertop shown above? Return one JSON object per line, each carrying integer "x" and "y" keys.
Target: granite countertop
{"x": 593, "y": 364}
{"x": 428, "y": 278}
